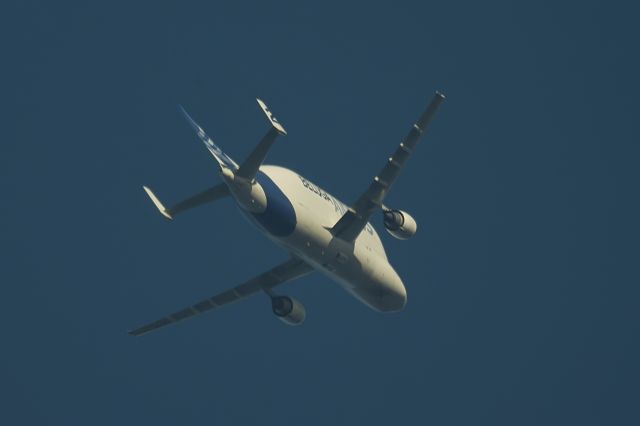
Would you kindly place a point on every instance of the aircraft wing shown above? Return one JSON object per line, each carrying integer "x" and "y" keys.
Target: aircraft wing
{"x": 287, "y": 271}
{"x": 355, "y": 219}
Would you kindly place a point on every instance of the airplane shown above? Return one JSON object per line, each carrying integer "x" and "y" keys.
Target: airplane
{"x": 319, "y": 232}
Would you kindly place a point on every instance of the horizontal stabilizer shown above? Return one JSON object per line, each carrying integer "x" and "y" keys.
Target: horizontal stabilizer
{"x": 206, "y": 196}
{"x": 249, "y": 168}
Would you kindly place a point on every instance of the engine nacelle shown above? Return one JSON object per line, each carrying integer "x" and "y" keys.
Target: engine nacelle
{"x": 288, "y": 310}
{"x": 400, "y": 224}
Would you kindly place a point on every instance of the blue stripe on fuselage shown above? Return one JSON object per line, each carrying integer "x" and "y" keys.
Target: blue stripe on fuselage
{"x": 279, "y": 218}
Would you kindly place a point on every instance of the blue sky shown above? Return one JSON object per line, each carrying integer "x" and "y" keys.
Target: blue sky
{"x": 521, "y": 280}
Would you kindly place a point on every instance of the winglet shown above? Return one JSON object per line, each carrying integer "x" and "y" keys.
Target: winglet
{"x": 272, "y": 119}
{"x": 157, "y": 203}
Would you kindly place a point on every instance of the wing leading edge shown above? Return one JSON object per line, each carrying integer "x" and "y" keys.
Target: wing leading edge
{"x": 355, "y": 219}
{"x": 287, "y": 271}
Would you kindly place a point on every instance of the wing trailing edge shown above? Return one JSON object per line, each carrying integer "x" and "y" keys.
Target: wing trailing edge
{"x": 355, "y": 219}
{"x": 291, "y": 269}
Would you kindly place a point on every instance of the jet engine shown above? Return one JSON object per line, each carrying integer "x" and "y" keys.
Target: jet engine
{"x": 288, "y": 310}
{"x": 400, "y": 224}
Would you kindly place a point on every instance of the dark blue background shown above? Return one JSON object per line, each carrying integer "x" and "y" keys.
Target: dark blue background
{"x": 522, "y": 284}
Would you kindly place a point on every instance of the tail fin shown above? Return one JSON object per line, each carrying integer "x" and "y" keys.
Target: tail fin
{"x": 272, "y": 119}
{"x": 223, "y": 159}
{"x": 161, "y": 208}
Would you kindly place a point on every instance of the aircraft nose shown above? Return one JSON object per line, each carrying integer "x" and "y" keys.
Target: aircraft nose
{"x": 395, "y": 297}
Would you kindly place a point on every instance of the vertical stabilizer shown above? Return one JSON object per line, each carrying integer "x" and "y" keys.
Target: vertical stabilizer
{"x": 223, "y": 159}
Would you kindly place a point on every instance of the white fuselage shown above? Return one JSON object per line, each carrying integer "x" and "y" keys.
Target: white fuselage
{"x": 298, "y": 215}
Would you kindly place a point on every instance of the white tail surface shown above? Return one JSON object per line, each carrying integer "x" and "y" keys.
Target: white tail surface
{"x": 157, "y": 203}
{"x": 272, "y": 119}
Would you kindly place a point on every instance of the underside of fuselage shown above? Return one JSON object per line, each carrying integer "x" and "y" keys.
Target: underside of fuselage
{"x": 299, "y": 215}
{"x": 320, "y": 232}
